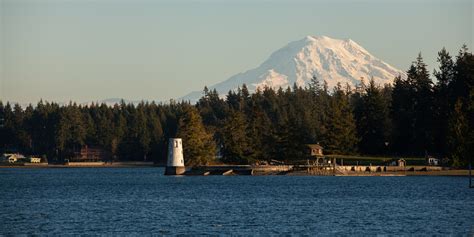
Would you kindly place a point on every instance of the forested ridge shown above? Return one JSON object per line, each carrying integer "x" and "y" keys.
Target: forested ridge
{"x": 414, "y": 116}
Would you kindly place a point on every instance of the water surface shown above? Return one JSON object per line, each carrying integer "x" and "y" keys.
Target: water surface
{"x": 143, "y": 201}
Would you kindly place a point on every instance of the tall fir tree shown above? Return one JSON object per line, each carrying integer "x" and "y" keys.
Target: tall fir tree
{"x": 70, "y": 132}
{"x": 198, "y": 144}
{"x": 458, "y": 135}
{"x": 461, "y": 121}
{"x": 236, "y": 145}
{"x": 373, "y": 121}
{"x": 341, "y": 137}
{"x": 402, "y": 113}
{"x": 423, "y": 105}
{"x": 442, "y": 102}
{"x": 260, "y": 131}
{"x": 155, "y": 131}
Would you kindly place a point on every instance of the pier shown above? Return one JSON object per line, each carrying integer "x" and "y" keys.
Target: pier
{"x": 310, "y": 169}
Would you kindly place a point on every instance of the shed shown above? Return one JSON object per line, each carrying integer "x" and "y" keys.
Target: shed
{"x": 315, "y": 149}
{"x": 401, "y": 162}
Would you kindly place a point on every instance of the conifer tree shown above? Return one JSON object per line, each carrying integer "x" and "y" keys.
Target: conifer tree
{"x": 314, "y": 85}
{"x": 442, "y": 101}
{"x": 236, "y": 147}
{"x": 136, "y": 141}
{"x": 423, "y": 99}
{"x": 155, "y": 131}
{"x": 199, "y": 146}
{"x": 7, "y": 126}
{"x": 402, "y": 114}
{"x": 21, "y": 138}
{"x": 260, "y": 132}
{"x": 458, "y": 135}
{"x": 341, "y": 137}
{"x": 461, "y": 122}
{"x": 373, "y": 123}
{"x": 119, "y": 123}
{"x": 70, "y": 132}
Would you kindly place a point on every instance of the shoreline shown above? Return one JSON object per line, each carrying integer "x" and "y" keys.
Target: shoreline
{"x": 443, "y": 172}
{"x": 452, "y": 173}
{"x": 132, "y": 164}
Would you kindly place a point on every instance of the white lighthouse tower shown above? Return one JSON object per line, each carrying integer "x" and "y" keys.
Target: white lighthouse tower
{"x": 175, "y": 163}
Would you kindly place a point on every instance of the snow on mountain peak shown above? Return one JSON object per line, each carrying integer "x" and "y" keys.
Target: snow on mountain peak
{"x": 331, "y": 60}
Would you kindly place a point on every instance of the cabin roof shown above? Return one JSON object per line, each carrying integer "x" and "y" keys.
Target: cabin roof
{"x": 314, "y": 146}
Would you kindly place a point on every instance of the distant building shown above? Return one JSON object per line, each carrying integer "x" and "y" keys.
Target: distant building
{"x": 315, "y": 149}
{"x": 432, "y": 161}
{"x": 12, "y": 157}
{"x": 399, "y": 162}
{"x": 91, "y": 154}
{"x": 35, "y": 160}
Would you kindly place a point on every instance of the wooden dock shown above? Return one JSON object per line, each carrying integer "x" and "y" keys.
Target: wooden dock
{"x": 321, "y": 169}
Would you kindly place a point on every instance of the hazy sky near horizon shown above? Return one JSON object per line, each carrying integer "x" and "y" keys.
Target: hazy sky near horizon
{"x": 90, "y": 50}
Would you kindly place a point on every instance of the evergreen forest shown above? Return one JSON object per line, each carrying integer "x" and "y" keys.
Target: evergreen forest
{"x": 426, "y": 113}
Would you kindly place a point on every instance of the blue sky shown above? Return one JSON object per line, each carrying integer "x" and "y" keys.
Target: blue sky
{"x": 89, "y": 50}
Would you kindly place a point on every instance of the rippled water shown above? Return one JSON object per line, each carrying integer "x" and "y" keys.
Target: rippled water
{"x": 143, "y": 201}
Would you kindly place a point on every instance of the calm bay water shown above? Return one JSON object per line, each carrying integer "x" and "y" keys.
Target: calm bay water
{"x": 143, "y": 201}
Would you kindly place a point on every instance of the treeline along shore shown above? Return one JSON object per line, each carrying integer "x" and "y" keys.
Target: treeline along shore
{"x": 422, "y": 114}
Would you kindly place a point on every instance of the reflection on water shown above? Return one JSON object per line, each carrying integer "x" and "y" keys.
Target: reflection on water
{"x": 143, "y": 201}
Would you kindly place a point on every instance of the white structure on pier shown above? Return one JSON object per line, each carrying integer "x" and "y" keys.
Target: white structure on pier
{"x": 175, "y": 163}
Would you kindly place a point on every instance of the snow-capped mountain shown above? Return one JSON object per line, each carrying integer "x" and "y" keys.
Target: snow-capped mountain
{"x": 332, "y": 60}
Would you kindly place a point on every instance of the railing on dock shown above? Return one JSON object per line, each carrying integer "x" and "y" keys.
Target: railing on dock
{"x": 316, "y": 168}
{"x": 324, "y": 170}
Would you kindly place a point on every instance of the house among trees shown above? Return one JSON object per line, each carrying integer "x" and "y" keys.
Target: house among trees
{"x": 400, "y": 162}
{"x": 315, "y": 149}
{"x": 432, "y": 161}
{"x": 91, "y": 154}
{"x": 12, "y": 157}
{"x": 35, "y": 159}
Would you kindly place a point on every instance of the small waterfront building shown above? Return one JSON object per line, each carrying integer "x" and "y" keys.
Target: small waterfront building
{"x": 432, "y": 161}
{"x": 400, "y": 162}
{"x": 35, "y": 160}
{"x": 175, "y": 162}
{"x": 12, "y": 157}
{"x": 315, "y": 149}
{"x": 91, "y": 154}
